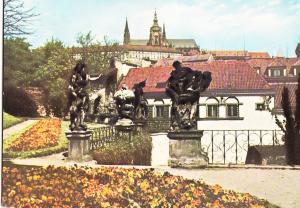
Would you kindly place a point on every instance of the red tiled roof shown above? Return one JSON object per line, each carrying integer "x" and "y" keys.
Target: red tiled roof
{"x": 281, "y": 62}
{"x": 278, "y": 96}
{"x": 228, "y": 75}
{"x": 297, "y": 63}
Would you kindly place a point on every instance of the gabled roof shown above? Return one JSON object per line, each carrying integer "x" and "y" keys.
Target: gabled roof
{"x": 227, "y": 76}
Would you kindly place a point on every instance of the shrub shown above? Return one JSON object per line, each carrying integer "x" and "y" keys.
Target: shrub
{"x": 9, "y": 120}
{"x": 122, "y": 152}
{"x": 17, "y": 102}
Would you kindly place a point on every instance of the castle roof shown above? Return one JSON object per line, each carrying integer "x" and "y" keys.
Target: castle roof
{"x": 176, "y": 43}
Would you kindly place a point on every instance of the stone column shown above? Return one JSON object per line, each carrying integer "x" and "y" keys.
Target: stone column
{"x": 185, "y": 149}
{"x": 79, "y": 146}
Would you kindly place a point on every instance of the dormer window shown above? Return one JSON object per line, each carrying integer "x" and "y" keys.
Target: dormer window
{"x": 276, "y": 72}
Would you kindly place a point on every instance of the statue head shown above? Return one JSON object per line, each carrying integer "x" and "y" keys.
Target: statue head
{"x": 79, "y": 67}
{"x": 176, "y": 64}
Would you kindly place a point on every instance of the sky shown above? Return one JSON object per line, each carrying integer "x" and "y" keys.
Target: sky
{"x": 256, "y": 25}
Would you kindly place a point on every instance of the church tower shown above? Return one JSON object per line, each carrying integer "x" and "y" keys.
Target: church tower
{"x": 297, "y": 51}
{"x": 126, "y": 39}
{"x": 155, "y": 38}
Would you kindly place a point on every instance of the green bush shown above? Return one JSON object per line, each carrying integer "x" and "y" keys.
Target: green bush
{"x": 17, "y": 102}
{"x": 9, "y": 120}
{"x": 62, "y": 145}
{"x": 123, "y": 152}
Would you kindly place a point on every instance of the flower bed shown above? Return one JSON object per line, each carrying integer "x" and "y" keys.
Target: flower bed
{"x": 43, "y": 134}
{"x": 42, "y": 138}
{"x": 113, "y": 187}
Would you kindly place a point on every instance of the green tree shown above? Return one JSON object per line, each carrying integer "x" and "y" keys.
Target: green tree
{"x": 18, "y": 61}
{"x": 52, "y": 75}
{"x": 95, "y": 54}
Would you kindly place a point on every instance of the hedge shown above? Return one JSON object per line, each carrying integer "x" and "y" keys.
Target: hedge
{"x": 121, "y": 152}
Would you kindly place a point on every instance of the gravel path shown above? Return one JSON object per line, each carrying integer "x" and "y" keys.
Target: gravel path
{"x": 13, "y": 129}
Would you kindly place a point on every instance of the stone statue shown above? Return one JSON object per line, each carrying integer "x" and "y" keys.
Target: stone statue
{"x": 140, "y": 103}
{"x": 124, "y": 99}
{"x": 78, "y": 98}
{"x": 184, "y": 87}
{"x": 109, "y": 83}
{"x": 297, "y": 51}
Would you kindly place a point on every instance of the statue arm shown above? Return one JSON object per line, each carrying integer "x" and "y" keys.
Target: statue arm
{"x": 94, "y": 78}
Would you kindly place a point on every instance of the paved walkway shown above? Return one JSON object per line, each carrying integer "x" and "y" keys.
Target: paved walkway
{"x": 279, "y": 186}
{"x": 13, "y": 129}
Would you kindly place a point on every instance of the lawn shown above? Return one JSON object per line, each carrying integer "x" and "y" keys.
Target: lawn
{"x": 9, "y": 120}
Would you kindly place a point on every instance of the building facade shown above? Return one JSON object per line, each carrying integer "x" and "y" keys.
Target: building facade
{"x": 238, "y": 98}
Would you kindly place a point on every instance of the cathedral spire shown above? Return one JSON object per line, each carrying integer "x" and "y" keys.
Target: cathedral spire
{"x": 164, "y": 32}
{"x": 126, "y": 34}
{"x": 155, "y": 21}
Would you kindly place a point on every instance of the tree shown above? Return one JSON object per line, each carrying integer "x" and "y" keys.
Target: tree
{"x": 291, "y": 126}
{"x": 18, "y": 61}
{"x": 52, "y": 75}
{"x": 16, "y": 18}
{"x": 97, "y": 55}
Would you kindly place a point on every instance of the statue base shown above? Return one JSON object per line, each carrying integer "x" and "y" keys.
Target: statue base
{"x": 125, "y": 128}
{"x": 185, "y": 149}
{"x": 79, "y": 146}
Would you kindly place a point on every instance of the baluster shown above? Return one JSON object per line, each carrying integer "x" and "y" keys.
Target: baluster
{"x": 236, "y": 146}
{"x": 212, "y": 146}
{"x": 224, "y": 147}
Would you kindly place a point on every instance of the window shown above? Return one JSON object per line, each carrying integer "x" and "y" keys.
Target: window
{"x": 260, "y": 106}
{"x": 276, "y": 72}
{"x": 159, "y": 111}
{"x": 232, "y": 110}
{"x": 212, "y": 111}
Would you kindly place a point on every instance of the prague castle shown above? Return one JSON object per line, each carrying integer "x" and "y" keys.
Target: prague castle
{"x": 159, "y": 42}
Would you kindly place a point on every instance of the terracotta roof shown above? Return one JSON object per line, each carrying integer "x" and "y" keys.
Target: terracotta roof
{"x": 280, "y": 62}
{"x": 226, "y": 75}
{"x": 259, "y": 55}
{"x": 297, "y": 63}
{"x": 278, "y": 96}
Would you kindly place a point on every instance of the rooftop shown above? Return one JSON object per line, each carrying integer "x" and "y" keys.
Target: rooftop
{"x": 227, "y": 76}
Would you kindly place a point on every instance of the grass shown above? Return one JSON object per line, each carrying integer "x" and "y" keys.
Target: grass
{"x": 62, "y": 145}
{"x": 9, "y": 120}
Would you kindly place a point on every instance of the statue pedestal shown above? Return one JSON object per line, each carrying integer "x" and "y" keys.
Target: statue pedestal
{"x": 125, "y": 128}
{"x": 185, "y": 149}
{"x": 78, "y": 149}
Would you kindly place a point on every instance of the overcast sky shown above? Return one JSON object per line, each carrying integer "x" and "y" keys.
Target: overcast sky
{"x": 257, "y": 25}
